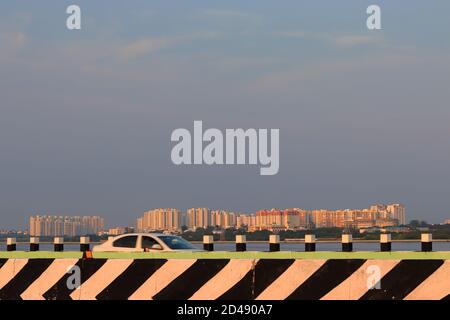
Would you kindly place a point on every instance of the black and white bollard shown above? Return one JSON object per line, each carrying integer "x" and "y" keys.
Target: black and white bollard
{"x": 241, "y": 243}
{"x": 58, "y": 243}
{"x": 208, "y": 243}
{"x": 11, "y": 244}
{"x": 84, "y": 244}
{"x": 310, "y": 243}
{"x": 274, "y": 242}
{"x": 427, "y": 242}
{"x": 34, "y": 244}
{"x": 347, "y": 243}
{"x": 385, "y": 242}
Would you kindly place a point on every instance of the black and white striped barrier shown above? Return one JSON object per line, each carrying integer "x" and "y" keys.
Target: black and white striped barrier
{"x": 11, "y": 244}
{"x": 427, "y": 242}
{"x": 347, "y": 242}
{"x": 58, "y": 244}
{"x": 84, "y": 244}
{"x": 208, "y": 243}
{"x": 385, "y": 242}
{"x": 274, "y": 243}
{"x": 224, "y": 279}
{"x": 310, "y": 242}
{"x": 241, "y": 243}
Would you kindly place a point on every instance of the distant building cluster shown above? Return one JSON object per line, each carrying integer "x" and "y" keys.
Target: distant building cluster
{"x": 286, "y": 219}
{"x": 160, "y": 219}
{"x": 5, "y": 232}
{"x": 379, "y": 215}
{"x": 42, "y": 226}
{"x": 116, "y": 231}
{"x": 173, "y": 219}
{"x": 203, "y": 217}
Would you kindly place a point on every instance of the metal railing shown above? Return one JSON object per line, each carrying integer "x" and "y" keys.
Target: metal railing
{"x": 309, "y": 242}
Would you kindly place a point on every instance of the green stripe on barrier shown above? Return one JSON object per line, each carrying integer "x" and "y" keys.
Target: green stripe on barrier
{"x": 394, "y": 255}
{"x": 397, "y": 255}
{"x": 40, "y": 255}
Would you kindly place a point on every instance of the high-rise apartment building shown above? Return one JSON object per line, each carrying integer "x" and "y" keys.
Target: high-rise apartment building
{"x": 246, "y": 220}
{"x": 397, "y": 211}
{"x": 198, "y": 218}
{"x": 159, "y": 219}
{"x": 223, "y": 219}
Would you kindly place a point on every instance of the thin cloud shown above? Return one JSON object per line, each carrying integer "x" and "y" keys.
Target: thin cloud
{"x": 230, "y": 14}
{"x": 150, "y": 45}
{"x": 292, "y": 34}
{"x": 344, "y": 40}
{"x": 289, "y": 80}
{"x": 355, "y": 40}
{"x": 11, "y": 43}
{"x": 18, "y": 39}
{"x": 13, "y": 40}
{"x": 144, "y": 47}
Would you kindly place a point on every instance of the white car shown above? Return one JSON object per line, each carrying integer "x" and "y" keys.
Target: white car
{"x": 145, "y": 242}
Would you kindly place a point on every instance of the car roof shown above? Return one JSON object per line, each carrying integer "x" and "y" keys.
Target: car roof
{"x": 155, "y": 234}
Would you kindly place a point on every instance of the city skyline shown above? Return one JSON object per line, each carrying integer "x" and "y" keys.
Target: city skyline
{"x": 171, "y": 219}
{"x": 274, "y": 219}
{"x": 204, "y": 217}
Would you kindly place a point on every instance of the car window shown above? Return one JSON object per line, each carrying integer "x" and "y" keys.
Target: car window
{"x": 126, "y": 242}
{"x": 176, "y": 243}
{"x": 148, "y": 242}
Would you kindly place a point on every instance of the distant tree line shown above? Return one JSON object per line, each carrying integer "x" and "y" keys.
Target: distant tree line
{"x": 416, "y": 228}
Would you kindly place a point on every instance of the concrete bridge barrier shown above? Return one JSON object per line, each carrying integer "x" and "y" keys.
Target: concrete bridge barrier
{"x": 225, "y": 276}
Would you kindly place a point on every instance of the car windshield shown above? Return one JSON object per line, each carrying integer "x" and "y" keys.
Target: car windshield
{"x": 176, "y": 243}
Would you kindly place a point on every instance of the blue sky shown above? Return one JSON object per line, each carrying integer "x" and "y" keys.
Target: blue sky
{"x": 86, "y": 116}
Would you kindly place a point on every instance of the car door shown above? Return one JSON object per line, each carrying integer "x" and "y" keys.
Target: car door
{"x": 126, "y": 244}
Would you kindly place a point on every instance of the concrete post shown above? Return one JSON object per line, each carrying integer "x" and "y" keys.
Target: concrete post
{"x": 310, "y": 243}
{"x": 84, "y": 244}
{"x": 34, "y": 244}
{"x": 385, "y": 242}
{"x": 427, "y": 242}
{"x": 274, "y": 242}
{"x": 11, "y": 244}
{"x": 208, "y": 243}
{"x": 58, "y": 243}
{"x": 241, "y": 243}
{"x": 347, "y": 243}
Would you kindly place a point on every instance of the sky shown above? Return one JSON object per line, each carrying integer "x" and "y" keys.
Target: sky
{"x": 86, "y": 115}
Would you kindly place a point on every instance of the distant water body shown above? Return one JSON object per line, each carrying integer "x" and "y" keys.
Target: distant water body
{"x": 261, "y": 246}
